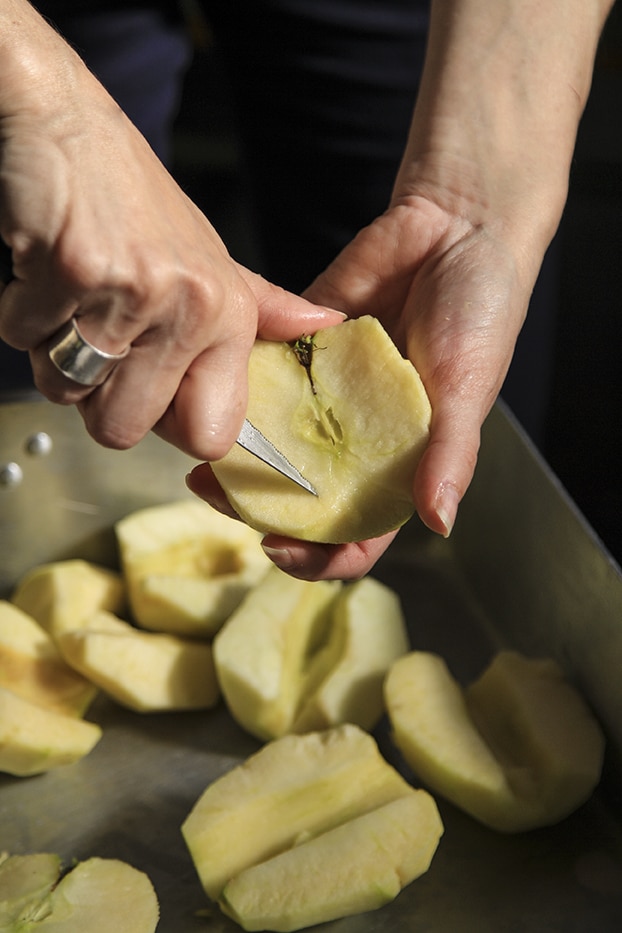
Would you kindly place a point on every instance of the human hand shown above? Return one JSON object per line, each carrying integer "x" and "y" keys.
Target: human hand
{"x": 99, "y": 230}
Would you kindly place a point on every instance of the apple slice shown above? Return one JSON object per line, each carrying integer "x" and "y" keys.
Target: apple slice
{"x": 144, "y": 671}
{"x": 34, "y": 740}
{"x": 517, "y": 749}
{"x": 265, "y": 652}
{"x": 187, "y": 566}
{"x": 97, "y": 895}
{"x": 25, "y": 882}
{"x": 293, "y": 790}
{"x": 355, "y": 422}
{"x": 61, "y": 594}
{"x": 366, "y": 635}
{"x": 32, "y": 666}
{"x": 355, "y": 867}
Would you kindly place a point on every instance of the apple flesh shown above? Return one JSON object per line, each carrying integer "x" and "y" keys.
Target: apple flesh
{"x": 367, "y": 634}
{"x": 518, "y": 749}
{"x": 355, "y": 423}
{"x": 144, "y": 671}
{"x": 264, "y": 653}
{"x": 62, "y": 594}
{"x": 187, "y": 566}
{"x": 282, "y": 801}
{"x": 97, "y": 895}
{"x": 32, "y": 666}
{"x": 34, "y": 739}
{"x": 356, "y": 867}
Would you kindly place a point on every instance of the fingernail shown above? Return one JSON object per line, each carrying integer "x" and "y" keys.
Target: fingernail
{"x": 447, "y": 507}
{"x": 280, "y": 556}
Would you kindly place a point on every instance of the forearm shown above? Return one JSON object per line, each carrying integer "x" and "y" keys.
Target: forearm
{"x": 503, "y": 90}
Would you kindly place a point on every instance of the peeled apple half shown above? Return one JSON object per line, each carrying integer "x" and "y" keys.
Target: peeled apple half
{"x": 352, "y": 415}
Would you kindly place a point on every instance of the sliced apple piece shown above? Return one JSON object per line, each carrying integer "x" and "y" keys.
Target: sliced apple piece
{"x": 187, "y": 566}
{"x": 264, "y": 654}
{"x": 34, "y": 740}
{"x": 32, "y": 666}
{"x": 517, "y": 749}
{"x": 25, "y": 882}
{"x": 145, "y": 671}
{"x": 293, "y": 790}
{"x": 97, "y": 895}
{"x": 62, "y": 594}
{"x": 356, "y": 867}
{"x": 367, "y": 634}
{"x": 352, "y": 415}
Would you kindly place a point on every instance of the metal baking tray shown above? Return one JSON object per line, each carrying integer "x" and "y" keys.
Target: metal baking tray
{"x": 521, "y": 569}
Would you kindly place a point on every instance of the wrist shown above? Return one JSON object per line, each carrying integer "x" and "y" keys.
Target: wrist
{"x": 502, "y": 93}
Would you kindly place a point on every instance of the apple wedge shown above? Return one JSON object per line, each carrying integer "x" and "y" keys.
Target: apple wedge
{"x": 352, "y": 415}
{"x": 34, "y": 740}
{"x": 518, "y": 749}
{"x": 367, "y": 634}
{"x": 265, "y": 653}
{"x": 356, "y": 867}
{"x": 144, "y": 671}
{"x": 299, "y": 798}
{"x": 96, "y": 896}
{"x": 32, "y": 666}
{"x": 62, "y": 594}
{"x": 187, "y": 566}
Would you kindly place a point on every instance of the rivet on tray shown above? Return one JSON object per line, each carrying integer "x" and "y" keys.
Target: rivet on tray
{"x": 39, "y": 444}
{"x": 11, "y": 474}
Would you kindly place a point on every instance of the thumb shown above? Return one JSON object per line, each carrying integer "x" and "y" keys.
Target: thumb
{"x": 283, "y": 315}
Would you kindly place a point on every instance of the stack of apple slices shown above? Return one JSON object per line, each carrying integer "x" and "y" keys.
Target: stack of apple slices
{"x": 310, "y": 829}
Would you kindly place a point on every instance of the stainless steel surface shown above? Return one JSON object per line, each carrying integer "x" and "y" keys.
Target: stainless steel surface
{"x": 251, "y": 439}
{"x": 521, "y": 568}
{"x": 77, "y": 359}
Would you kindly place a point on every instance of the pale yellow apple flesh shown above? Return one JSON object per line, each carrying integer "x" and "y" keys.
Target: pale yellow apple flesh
{"x": 366, "y": 635}
{"x": 356, "y": 867}
{"x": 264, "y": 653}
{"x": 187, "y": 566}
{"x": 96, "y": 896}
{"x": 144, "y": 671}
{"x": 293, "y": 790}
{"x": 517, "y": 749}
{"x": 355, "y": 425}
{"x": 62, "y": 594}
{"x": 34, "y": 739}
{"x": 32, "y": 666}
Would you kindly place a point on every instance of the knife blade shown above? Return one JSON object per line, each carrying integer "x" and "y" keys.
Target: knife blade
{"x": 250, "y": 438}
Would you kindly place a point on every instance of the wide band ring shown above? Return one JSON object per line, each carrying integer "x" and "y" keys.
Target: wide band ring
{"x": 79, "y": 360}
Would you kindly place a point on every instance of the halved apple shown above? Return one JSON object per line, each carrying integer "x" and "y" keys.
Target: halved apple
{"x": 145, "y": 671}
{"x": 96, "y": 896}
{"x": 518, "y": 749}
{"x": 187, "y": 566}
{"x": 310, "y": 828}
{"x": 32, "y": 666}
{"x": 352, "y": 415}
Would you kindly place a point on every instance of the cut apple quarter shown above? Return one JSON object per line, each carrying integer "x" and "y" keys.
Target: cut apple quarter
{"x": 96, "y": 896}
{"x": 352, "y": 415}
{"x": 309, "y": 829}
{"x": 298, "y": 656}
{"x": 517, "y": 749}
{"x": 34, "y": 739}
{"x": 144, "y": 671}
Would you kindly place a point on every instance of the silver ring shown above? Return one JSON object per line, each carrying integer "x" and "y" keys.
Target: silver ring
{"x": 78, "y": 359}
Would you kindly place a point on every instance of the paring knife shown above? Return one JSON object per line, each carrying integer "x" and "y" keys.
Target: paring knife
{"x": 250, "y": 438}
